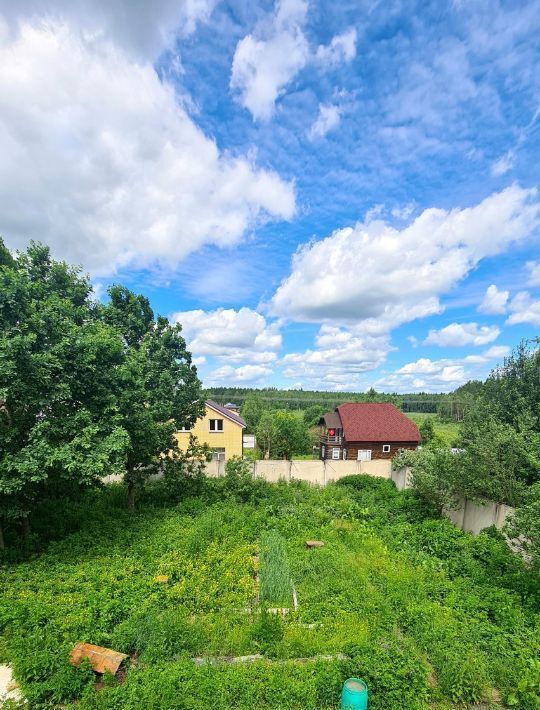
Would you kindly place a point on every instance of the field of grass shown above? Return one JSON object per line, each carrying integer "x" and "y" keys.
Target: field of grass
{"x": 447, "y": 431}
{"x": 429, "y": 616}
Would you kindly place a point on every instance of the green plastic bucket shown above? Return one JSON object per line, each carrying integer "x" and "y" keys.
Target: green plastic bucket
{"x": 354, "y": 695}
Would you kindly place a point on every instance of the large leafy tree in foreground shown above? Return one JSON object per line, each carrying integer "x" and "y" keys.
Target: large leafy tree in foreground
{"x": 60, "y": 428}
{"x": 157, "y": 391}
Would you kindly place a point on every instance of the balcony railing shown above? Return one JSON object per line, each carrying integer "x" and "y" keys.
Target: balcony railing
{"x": 336, "y": 439}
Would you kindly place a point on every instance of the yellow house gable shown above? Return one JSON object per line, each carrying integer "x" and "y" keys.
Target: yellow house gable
{"x": 220, "y": 429}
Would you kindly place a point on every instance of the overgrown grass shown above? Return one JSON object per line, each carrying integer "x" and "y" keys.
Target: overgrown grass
{"x": 274, "y": 574}
{"x": 429, "y": 616}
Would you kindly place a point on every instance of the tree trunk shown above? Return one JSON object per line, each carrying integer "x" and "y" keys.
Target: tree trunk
{"x": 2, "y": 543}
{"x": 131, "y": 496}
{"x": 25, "y": 523}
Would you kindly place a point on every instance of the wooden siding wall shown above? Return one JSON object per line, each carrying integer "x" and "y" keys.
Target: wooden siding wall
{"x": 375, "y": 446}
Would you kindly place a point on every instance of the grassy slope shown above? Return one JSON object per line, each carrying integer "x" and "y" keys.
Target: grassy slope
{"x": 428, "y": 616}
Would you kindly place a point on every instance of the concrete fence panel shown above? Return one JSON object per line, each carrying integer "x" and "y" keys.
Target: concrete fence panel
{"x": 215, "y": 468}
{"x": 273, "y": 471}
{"x": 381, "y": 468}
{"x": 310, "y": 471}
{"x": 402, "y": 478}
{"x": 457, "y": 515}
{"x": 502, "y": 513}
{"x": 477, "y": 516}
{"x": 334, "y": 470}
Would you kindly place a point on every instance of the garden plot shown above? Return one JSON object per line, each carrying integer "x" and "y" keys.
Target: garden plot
{"x": 429, "y": 616}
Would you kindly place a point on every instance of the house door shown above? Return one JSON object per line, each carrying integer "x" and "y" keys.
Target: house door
{"x": 364, "y": 454}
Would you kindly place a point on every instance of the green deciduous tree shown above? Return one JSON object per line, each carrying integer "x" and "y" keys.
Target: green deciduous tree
{"x": 427, "y": 431}
{"x": 498, "y": 460}
{"x": 290, "y": 436}
{"x": 313, "y": 414}
{"x": 252, "y": 411}
{"x": 157, "y": 390}
{"x": 59, "y": 422}
{"x": 265, "y": 433}
{"x": 435, "y": 475}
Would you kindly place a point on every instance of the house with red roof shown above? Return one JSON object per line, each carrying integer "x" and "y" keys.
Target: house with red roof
{"x": 362, "y": 431}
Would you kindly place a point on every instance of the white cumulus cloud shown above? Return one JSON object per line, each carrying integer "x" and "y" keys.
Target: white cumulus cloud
{"x": 342, "y": 48}
{"x": 328, "y": 118}
{"x": 459, "y": 334}
{"x": 245, "y": 374}
{"x": 241, "y": 336}
{"x": 533, "y": 267}
{"x": 141, "y": 28}
{"x": 101, "y": 162}
{"x": 266, "y": 61}
{"x": 426, "y": 375}
{"x": 494, "y": 301}
{"x": 497, "y": 352}
{"x": 503, "y": 164}
{"x": 375, "y": 272}
{"x": 524, "y": 309}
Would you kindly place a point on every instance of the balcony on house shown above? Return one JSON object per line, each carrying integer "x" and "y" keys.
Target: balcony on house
{"x": 331, "y": 438}
{"x": 330, "y": 429}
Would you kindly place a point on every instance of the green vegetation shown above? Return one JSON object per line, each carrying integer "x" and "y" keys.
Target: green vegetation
{"x": 274, "y": 573}
{"x": 429, "y": 616}
{"x": 499, "y": 440}
{"x": 86, "y": 390}
{"x": 446, "y": 433}
{"x": 273, "y": 398}
{"x": 281, "y": 434}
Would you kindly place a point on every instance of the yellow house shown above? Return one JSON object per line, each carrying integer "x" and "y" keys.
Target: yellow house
{"x": 220, "y": 427}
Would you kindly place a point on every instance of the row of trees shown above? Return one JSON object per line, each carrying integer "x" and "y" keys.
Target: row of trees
{"x": 86, "y": 389}
{"x": 324, "y": 401}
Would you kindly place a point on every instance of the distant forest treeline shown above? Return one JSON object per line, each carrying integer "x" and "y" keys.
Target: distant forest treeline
{"x": 448, "y": 405}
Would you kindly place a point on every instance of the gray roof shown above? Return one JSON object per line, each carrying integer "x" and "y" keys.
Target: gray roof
{"x": 233, "y": 416}
{"x": 331, "y": 420}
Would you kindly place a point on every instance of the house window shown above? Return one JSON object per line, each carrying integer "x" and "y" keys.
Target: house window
{"x": 323, "y": 451}
{"x": 364, "y": 455}
{"x": 335, "y": 454}
{"x": 218, "y": 454}
{"x": 344, "y": 454}
{"x": 386, "y": 448}
{"x": 216, "y": 425}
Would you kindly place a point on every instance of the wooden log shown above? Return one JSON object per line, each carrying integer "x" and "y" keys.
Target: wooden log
{"x": 101, "y": 659}
{"x": 310, "y": 544}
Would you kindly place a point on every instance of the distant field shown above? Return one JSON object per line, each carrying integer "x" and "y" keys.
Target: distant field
{"x": 448, "y": 431}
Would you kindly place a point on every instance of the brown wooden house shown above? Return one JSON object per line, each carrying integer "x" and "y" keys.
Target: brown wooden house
{"x": 362, "y": 431}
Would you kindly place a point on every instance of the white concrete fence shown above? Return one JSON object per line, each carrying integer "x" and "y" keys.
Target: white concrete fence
{"x": 469, "y": 516}
{"x": 314, "y": 471}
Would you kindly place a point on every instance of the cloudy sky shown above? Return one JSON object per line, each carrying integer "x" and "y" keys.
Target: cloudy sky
{"x": 326, "y": 195}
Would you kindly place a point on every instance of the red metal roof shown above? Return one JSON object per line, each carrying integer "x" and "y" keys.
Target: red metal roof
{"x": 374, "y": 421}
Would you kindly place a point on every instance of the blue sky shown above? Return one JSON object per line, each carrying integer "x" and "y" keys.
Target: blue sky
{"x": 325, "y": 195}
